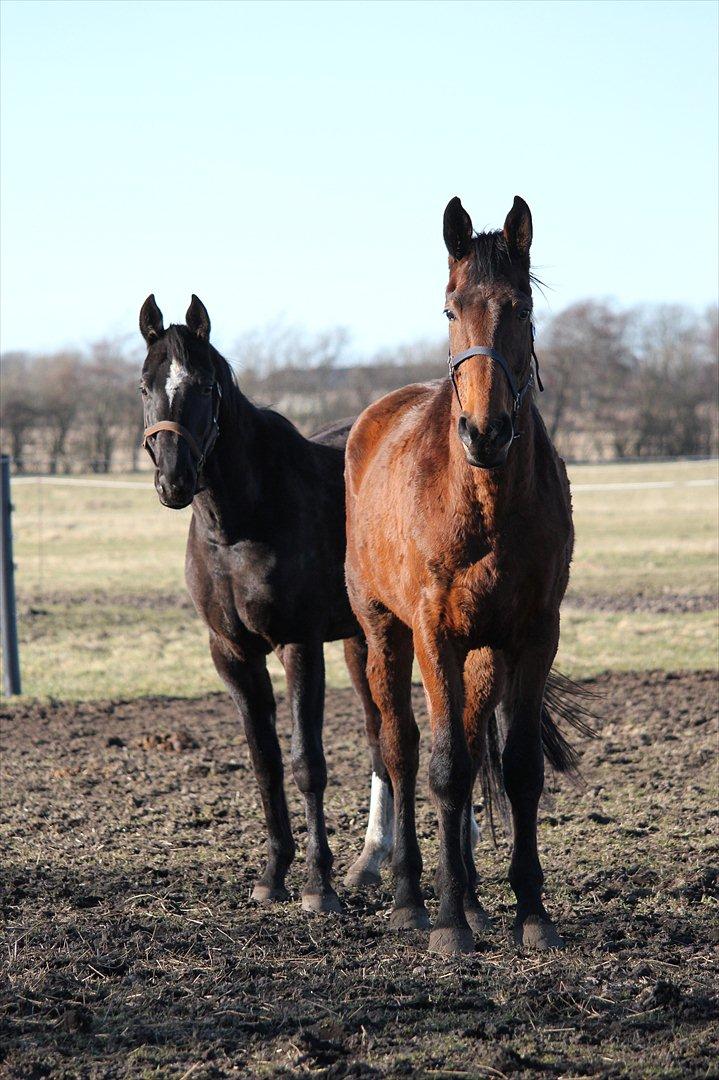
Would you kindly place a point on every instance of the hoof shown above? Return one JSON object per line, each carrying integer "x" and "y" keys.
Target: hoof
{"x": 478, "y": 919}
{"x": 409, "y": 918}
{"x": 451, "y": 941}
{"x": 537, "y": 932}
{"x": 322, "y": 903}
{"x": 360, "y": 877}
{"x": 269, "y": 894}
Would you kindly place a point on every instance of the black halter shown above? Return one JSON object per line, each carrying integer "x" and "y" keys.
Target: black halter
{"x": 453, "y": 362}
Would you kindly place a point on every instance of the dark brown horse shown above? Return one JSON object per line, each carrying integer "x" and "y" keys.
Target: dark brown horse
{"x": 264, "y": 567}
{"x": 459, "y": 541}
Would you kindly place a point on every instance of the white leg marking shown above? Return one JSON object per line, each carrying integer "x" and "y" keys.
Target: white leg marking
{"x": 176, "y": 376}
{"x": 473, "y": 828}
{"x": 379, "y": 839}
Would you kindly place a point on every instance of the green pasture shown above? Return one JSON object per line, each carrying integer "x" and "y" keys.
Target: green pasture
{"x": 103, "y": 610}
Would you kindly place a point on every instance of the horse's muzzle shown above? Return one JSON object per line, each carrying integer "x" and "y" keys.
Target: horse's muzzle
{"x": 175, "y": 492}
{"x": 488, "y": 449}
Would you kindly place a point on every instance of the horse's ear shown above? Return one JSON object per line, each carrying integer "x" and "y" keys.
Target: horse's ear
{"x": 457, "y": 229}
{"x": 151, "y": 325}
{"x": 518, "y": 229}
{"x": 197, "y": 319}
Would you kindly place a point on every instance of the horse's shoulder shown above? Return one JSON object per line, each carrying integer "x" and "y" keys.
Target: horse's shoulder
{"x": 552, "y": 474}
{"x": 389, "y": 414}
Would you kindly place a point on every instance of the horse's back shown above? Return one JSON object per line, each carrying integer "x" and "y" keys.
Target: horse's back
{"x": 334, "y": 434}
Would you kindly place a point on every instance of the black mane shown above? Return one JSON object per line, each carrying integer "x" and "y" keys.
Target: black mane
{"x": 491, "y": 256}
{"x": 493, "y": 261}
{"x": 235, "y": 404}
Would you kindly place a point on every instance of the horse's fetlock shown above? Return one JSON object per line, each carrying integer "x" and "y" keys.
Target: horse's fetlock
{"x": 526, "y": 879}
{"x": 281, "y": 852}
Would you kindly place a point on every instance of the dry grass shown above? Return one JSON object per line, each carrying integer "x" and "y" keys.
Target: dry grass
{"x": 104, "y": 611}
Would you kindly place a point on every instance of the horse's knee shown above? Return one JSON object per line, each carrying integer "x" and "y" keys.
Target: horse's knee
{"x": 450, "y": 774}
{"x": 309, "y": 770}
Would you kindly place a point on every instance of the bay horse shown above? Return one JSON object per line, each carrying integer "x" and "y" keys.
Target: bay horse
{"x": 459, "y": 543}
{"x": 264, "y": 567}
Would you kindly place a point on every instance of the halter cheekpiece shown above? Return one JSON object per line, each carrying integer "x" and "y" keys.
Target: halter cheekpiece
{"x": 200, "y": 453}
{"x": 454, "y": 362}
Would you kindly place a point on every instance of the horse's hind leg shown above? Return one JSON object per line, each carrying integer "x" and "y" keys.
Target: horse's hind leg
{"x": 251, "y": 690}
{"x": 305, "y": 669}
{"x": 483, "y": 678}
{"x": 478, "y": 919}
{"x": 380, "y": 827}
{"x": 389, "y": 670}
{"x": 523, "y": 770}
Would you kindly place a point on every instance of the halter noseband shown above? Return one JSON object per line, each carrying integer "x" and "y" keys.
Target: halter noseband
{"x": 200, "y": 454}
{"x": 453, "y": 362}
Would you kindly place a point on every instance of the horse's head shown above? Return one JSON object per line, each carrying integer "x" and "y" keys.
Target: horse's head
{"x": 181, "y": 399}
{"x": 489, "y": 305}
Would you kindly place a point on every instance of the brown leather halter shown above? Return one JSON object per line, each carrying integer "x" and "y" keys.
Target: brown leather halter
{"x": 200, "y": 454}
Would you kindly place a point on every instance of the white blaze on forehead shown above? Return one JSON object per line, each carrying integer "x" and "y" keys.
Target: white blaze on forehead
{"x": 176, "y": 377}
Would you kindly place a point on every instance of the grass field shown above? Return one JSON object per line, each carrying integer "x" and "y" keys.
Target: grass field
{"x": 103, "y": 609}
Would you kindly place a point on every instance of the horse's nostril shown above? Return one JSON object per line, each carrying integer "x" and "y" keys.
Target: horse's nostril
{"x": 466, "y": 430}
{"x": 500, "y": 430}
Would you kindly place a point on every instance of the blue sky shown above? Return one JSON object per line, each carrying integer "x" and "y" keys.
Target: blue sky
{"x": 295, "y": 158}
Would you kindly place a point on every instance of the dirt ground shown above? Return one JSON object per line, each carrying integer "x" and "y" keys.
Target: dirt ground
{"x": 131, "y": 836}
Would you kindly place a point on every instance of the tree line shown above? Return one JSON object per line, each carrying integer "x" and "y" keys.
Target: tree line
{"x": 619, "y": 383}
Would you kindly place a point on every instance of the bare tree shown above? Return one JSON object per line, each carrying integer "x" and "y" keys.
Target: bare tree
{"x": 585, "y": 363}
{"x": 619, "y": 382}
{"x": 18, "y": 409}
{"x": 279, "y": 346}
{"x": 59, "y": 392}
{"x": 107, "y": 379}
{"x": 675, "y": 381}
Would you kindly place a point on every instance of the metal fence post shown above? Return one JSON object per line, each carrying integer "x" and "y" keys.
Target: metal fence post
{"x": 8, "y": 619}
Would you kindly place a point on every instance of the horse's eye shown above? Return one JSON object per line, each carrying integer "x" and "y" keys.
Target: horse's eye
{"x": 143, "y": 390}
{"x": 523, "y": 313}
{"x": 450, "y": 314}
{"x": 205, "y": 391}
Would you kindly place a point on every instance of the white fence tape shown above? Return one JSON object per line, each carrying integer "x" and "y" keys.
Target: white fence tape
{"x": 147, "y": 486}
{"x": 82, "y": 483}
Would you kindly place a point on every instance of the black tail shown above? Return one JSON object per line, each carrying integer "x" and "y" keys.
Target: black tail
{"x": 566, "y": 700}
{"x": 569, "y": 701}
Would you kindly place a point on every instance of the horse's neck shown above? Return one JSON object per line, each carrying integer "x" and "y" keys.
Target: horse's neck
{"x": 232, "y": 479}
{"x": 491, "y": 494}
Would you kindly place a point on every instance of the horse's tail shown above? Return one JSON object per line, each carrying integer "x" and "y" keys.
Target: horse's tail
{"x": 564, "y": 701}
{"x": 569, "y": 701}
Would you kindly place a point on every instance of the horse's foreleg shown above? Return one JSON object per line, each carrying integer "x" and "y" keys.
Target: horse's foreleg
{"x": 523, "y": 770}
{"x": 251, "y": 690}
{"x": 305, "y": 670}
{"x": 380, "y": 827}
{"x": 451, "y": 775}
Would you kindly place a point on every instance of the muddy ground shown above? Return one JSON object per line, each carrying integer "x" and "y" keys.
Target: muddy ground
{"x": 131, "y": 834}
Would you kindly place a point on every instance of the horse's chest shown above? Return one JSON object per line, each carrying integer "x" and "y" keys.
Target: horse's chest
{"x": 241, "y": 589}
{"x": 490, "y": 600}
